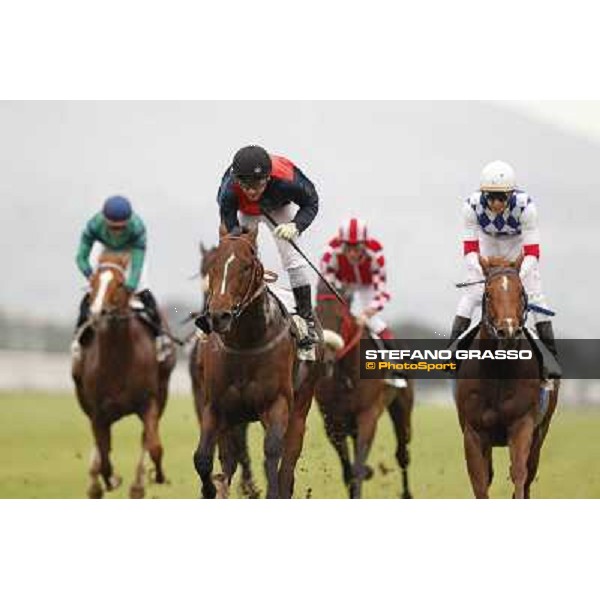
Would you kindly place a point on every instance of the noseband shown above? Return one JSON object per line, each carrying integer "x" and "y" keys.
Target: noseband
{"x": 487, "y": 322}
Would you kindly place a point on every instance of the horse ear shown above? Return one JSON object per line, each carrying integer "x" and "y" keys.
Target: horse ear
{"x": 517, "y": 263}
{"x": 252, "y": 233}
{"x": 485, "y": 264}
{"x": 203, "y": 249}
{"x": 222, "y": 230}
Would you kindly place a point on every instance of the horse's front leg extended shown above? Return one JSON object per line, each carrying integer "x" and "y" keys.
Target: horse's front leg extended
{"x": 366, "y": 425}
{"x": 520, "y": 435}
{"x": 205, "y": 453}
{"x": 275, "y": 422}
{"x": 477, "y": 462}
{"x": 102, "y": 436}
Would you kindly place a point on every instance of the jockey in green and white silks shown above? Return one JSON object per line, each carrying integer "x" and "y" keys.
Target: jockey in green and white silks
{"x": 118, "y": 229}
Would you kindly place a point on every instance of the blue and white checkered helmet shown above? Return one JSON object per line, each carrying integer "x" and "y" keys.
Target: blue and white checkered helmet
{"x": 498, "y": 176}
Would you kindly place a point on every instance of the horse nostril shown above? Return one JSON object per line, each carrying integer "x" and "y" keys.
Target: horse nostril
{"x": 222, "y": 320}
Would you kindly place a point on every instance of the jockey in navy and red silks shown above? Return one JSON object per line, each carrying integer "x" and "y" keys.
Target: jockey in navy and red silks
{"x": 257, "y": 182}
{"x": 355, "y": 261}
{"x": 501, "y": 220}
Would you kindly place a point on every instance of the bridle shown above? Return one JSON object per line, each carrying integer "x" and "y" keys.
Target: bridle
{"x": 255, "y": 286}
{"x": 485, "y": 317}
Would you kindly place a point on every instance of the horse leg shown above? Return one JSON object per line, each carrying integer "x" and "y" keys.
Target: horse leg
{"x": 294, "y": 439}
{"x": 366, "y": 425}
{"x": 520, "y": 436}
{"x": 248, "y": 487}
{"x": 205, "y": 453}
{"x": 400, "y": 415}
{"x": 275, "y": 421}
{"x": 337, "y": 436}
{"x": 102, "y": 437}
{"x": 477, "y": 462}
{"x": 95, "y": 490}
{"x": 228, "y": 458}
{"x": 137, "y": 487}
{"x": 152, "y": 441}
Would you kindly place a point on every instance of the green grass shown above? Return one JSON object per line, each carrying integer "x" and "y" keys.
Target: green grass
{"x": 45, "y": 443}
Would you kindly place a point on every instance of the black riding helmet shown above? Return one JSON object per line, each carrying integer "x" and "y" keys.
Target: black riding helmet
{"x": 251, "y": 163}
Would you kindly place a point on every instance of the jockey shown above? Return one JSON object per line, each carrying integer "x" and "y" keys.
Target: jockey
{"x": 118, "y": 229}
{"x": 355, "y": 261}
{"x": 501, "y": 220}
{"x": 258, "y": 182}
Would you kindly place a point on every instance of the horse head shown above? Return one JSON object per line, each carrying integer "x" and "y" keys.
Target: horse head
{"x": 504, "y": 306}
{"x": 108, "y": 294}
{"x": 235, "y": 278}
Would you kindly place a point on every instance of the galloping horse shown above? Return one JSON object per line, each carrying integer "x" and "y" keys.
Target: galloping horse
{"x": 118, "y": 375}
{"x": 249, "y": 370}
{"x": 499, "y": 401}
{"x": 351, "y": 406}
{"x": 239, "y": 434}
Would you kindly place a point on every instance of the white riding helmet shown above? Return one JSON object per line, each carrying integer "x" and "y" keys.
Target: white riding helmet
{"x": 498, "y": 176}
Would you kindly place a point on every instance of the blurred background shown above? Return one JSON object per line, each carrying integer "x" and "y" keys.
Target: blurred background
{"x": 403, "y": 166}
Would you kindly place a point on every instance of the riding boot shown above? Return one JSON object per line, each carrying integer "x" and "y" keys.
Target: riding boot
{"x": 546, "y": 333}
{"x": 84, "y": 313}
{"x": 303, "y": 297}
{"x": 459, "y": 326}
{"x": 163, "y": 343}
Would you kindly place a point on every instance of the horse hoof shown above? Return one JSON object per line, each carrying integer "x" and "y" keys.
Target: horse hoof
{"x": 368, "y": 473}
{"x": 407, "y": 496}
{"x": 114, "y": 482}
{"x": 95, "y": 491}
{"x": 137, "y": 492}
{"x": 160, "y": 478}
{"x": 249, "y": 490}
{"x": 221, "y": 486}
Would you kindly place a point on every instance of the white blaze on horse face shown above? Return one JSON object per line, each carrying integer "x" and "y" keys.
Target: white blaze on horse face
{"x": 225, "y": 269}
{"x": 105, "y": 279}
{"x": 205, "y": 284}
{"x": 505, "y": 283}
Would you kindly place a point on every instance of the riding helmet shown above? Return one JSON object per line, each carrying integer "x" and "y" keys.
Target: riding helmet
{"x": 117, "y": 208}
{"x": 251, "y": 163}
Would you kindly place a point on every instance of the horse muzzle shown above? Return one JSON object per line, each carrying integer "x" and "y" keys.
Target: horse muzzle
{"x": 221, "y": 321}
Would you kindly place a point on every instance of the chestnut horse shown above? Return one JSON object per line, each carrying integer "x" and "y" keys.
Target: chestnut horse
{"x": 118, "y": 375}
{"x": 249, "y": 368}
{"x": 239, "y": 434}
{"x": 351, "y": 406}
{"x": 499, "y": 401}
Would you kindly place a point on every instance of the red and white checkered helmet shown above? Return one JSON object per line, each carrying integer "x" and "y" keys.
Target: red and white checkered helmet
{"x": 353, "y": 231}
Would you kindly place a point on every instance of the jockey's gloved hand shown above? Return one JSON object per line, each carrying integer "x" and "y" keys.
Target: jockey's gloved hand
{"x": 286, "y": 231}
{"x": 526, "y": 266}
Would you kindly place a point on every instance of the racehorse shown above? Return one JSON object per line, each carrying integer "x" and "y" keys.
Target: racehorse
{"x": 118, "y": 374}
{"x": 351, "y": 406}
{"x": 250, "y": 368}
{"x": 499, "y": 402}
{"x": 239, "y": 434}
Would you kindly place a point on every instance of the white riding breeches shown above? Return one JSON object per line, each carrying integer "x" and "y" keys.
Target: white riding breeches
{"x": 296, "y": 267}
{"x": 362, "y": 298}
{"x": 508, "y": 247}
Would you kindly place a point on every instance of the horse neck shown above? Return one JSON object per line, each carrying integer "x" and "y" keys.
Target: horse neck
{"x": 115, "y": 341}
{"x": 252, "y": 325}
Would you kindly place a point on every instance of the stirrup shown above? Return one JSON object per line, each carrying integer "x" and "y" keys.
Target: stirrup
{"x": 76, "y": 349}
{"x": 164, "y": 347}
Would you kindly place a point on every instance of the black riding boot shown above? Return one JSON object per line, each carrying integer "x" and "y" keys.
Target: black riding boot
{"x": 151, "y": 308}
{"x": 84, "y": 311}
{"x": 459, "y": 326}
{"x": 544, "y": 330}
{"x": 303, "y": 297}
{"x": 546, "y": 334}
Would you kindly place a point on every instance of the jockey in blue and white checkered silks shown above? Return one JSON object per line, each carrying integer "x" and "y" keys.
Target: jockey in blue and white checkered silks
{"x": 501, "y": 220}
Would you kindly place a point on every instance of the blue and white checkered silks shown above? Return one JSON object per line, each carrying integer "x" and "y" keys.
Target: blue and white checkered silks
{"x": 509, "y": 222}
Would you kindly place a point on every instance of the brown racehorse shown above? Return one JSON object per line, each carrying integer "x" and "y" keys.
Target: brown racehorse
{"x": 239, "y": 434}
{"x": 499, "y": 401}
{"x": 249, "y": 367}
{"x": 351, "y": 406}
{"x": 118, "y": 375}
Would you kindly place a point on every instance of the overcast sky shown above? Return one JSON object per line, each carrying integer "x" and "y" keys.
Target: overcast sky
{"x": 403, "y": 166}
